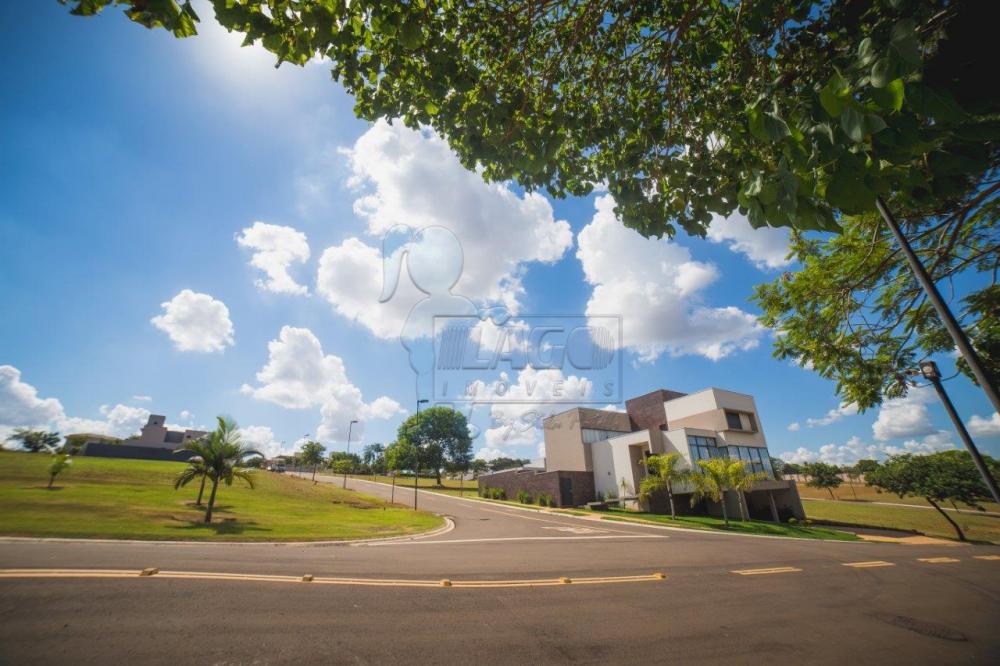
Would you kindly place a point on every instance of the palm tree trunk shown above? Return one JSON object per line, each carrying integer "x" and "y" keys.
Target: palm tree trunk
{"x": 211, "y": 501}
{"x": 201, "y": 491}
{"x": 725, "y": 514}
{"x": 670, "y": 496}
{"x": 958, "y": 530}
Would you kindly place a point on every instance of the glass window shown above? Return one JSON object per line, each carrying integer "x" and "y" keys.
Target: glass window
{"x": 733, "y": 421}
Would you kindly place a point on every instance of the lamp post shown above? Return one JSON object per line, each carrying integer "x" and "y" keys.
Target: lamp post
{"x": 416, "y": 459}
{"x": 931, "y": 373}
{"x": 347, "y": 462}
{"x": 422, "y": 401}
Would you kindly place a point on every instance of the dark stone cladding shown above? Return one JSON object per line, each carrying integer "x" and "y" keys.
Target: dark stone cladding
{"x": 102, "y": 450}
{"x": 646, "y": 412}
{"x": 537, "y": 482}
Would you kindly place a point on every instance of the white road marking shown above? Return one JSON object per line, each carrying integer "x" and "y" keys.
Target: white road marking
{"x": 772, "y": 570}
{"x": 575, "y": 530}
{"x": 868, "y": 565}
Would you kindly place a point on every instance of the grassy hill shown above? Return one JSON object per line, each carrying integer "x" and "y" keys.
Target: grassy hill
{"x": 133, "y": 499}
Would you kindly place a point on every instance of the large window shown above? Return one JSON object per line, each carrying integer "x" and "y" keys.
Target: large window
{"x": 758, "y": 458}
{"x": 741, "y": 421}
{"x": 591, "y": 435}
{"x": 702, "y": 448}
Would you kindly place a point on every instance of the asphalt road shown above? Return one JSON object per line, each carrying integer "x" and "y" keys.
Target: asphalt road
{"x": 724, "y": 598}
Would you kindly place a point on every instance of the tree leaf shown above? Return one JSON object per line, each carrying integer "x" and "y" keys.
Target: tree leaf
{"x": 834, "y": 95}
{"x": 890, "y": 97}
{"x": 882, "y": 72}
{"x": 852, "y": 122}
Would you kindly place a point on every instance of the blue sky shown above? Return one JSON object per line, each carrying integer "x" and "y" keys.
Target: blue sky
{"x": 133, "y": 162}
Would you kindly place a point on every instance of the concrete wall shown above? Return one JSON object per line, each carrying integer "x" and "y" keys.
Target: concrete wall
{"x": 542, "y": 483}
{"x": 564, "y": 447}
{"x": 617, "y": 458}
{"x": 102, "y": 450}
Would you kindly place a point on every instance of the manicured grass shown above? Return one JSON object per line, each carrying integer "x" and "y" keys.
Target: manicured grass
{"x": 120, "y": 499}
{"x": 867, "y": 494}
{"x": 929, "y": 522}
{"x": 735, "y": 526}
{"x": 448, "y": 486}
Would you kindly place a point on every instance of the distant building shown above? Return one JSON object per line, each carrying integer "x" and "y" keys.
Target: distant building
{"x": 155, "y": 434}
{"x": 155, "y": 442}
{"x": 593, "y": 453}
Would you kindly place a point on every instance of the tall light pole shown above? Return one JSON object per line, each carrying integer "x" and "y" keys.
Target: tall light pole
{"x": 947, "y": 318}
{"x": 930, "y": 372}
{"x": 347, "y": 462}
{"x": 422, "y": 401}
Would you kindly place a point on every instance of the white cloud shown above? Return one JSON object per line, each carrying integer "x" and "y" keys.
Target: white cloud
{"x": 142, "y": 398}
{"x": 262, "y": 439}
{"x": 413, "y": 178}
{"x": 487, "y": 453}
{"x": 856, "y": 449}
{"x": 980, "y": 427}
{"x": 794, "y": 427}
{"x": 766, "y": 247}
{"x": 275, "y": 249}
{"x": 185, "y": 415}
{"x": 195, "y": 322}
{"x": 20, "y": 405}
{"x": 834, "y": 415}
{"x": 299, "y": 375}
{"x": 655, "y": 286}
{"x": 518, "y": 408}
{"x": 904, "y": 417}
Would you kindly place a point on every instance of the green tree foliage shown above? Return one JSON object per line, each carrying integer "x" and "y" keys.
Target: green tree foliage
{"x": 502, "y": 463}
{"x": 858, "y": 316}
{"x": 73, "y": 443}
{"x": 440, "y": 436}
{"x": 374, "y": 457}
{"x": 790, "y": 110}
{"x": 718, "y": 476}
{"x": 311, "y": 455}
{"x": 222, "y": 454}
{"x": 823, "y": 475}
{"x": 35, "y": 440}
{"x": 780, "y": 468}
{"x": 401, "y": 455}
{"x": 60, "y": 463}
{"x": 664, "y": 471}
{"x": 478, "y": 466}
{"x": 866, "y": 466}
{"x": 945, "y": 476}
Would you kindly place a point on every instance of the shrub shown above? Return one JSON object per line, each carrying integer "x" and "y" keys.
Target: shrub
{"x": 611, "y": 495}
{"x": 793, "y": 521}
{"x": 524, "y": 497}
{"x": 483, "y": 491}
{"x": 807, "y": 522}
{"x": 499, "y": 493}
{"x": 545, "y": 500}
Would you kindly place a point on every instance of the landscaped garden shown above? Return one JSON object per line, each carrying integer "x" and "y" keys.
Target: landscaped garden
{"x": 132, "y": 499}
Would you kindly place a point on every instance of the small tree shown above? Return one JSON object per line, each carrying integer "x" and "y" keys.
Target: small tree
{"x": 719, "y": 475}
{"x": 441, "y": 437}
{"x": 342, "y": 466}
{"x": 780, "y": 467}
{"x": 852, "y": 475}
{"x": 312, "y": 454}
{"x": 478, "y": 467}
{"x": 823, "y": 475}
{"x": 60, "y": 462}
{"x": 865, "y": 467}
{"x": 664, "y": 472}
{"x": 35, "y": 440}
{"x": 222, "y": 453}
{"x": 944, "y": 476}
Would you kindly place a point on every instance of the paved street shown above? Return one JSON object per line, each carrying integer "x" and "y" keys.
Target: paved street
{"x": 723, "y": 598}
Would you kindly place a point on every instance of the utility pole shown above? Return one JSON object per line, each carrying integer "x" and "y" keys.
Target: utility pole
{"x": 930, "y": 372}
{"x": 416, "y": 461}
{"x": 947, "y": 318}
{"x": 348, "y": 461}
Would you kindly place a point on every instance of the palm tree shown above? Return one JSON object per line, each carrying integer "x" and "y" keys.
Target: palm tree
{"x": 312, "y": 454}
{"x": 221, "y": 453}
{"x": 664, "y": 472}
{"x": 195, "y": 470}
{"x": 719, "y": 475}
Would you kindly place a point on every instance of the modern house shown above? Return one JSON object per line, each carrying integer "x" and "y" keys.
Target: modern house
{"x": 155, "y": 442}
{"x": 599, "y": 452}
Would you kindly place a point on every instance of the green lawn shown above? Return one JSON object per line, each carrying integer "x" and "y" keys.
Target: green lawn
{"x": 925, "y": 521}
{"x": 735, "y": 526}
{"x": 864, "y": 494}
{"x": 120, "y": 499}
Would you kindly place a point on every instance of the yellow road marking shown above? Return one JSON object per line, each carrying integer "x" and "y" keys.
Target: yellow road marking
{"x": 937, "y": 560}
{"x": 316, "y": 580}
{"x": 868, "y": 565}
{"x": 987, "y": 557}
{"x": 772, "y": 570}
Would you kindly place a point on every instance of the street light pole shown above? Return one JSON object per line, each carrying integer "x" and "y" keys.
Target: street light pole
{"x": 947, "y": 318}
{"x": 416, "y": 459}
{"x": 350, "y": 427}
{"x": 930, "y": 372}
